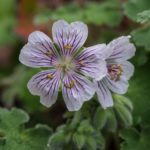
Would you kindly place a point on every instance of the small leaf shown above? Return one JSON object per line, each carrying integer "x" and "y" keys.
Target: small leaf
{"x": 90, "y": 143}
{"x": 100, "y": 118}
{"x": 57, "y": 139}
{"x": 124, "y": 114}
{"x": 85, "y": 127}
{"x": 79, "y": 140}
{"x": 144, "y": 16}
{"x": 111, "y": 120}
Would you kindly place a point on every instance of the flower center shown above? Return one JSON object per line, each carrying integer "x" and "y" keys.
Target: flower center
{"x": 66, "y": 63}
{"x": 115, "y": 71}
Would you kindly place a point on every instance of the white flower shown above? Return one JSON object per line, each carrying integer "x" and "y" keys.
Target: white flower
{"x": 119, "y": 71}
{"x": 66, "y": 66}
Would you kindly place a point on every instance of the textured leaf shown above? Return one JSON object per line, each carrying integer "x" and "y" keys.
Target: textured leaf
{"x": 133, "y": 7}
{"x": 90, "y": 143}
{"x": 57, "y": 140}
{"x": 111, "y": 120}
{"x": 100, "y": 118}
{"x": 79, "y": 140}
{"x": 144, "y": 16}
{"x": 11, "y": 127}
{"x": 135, "y": 140}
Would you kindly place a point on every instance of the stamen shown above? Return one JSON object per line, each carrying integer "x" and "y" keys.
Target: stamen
{"x": 49, "y": 53}
{"x": 50, "y": 76}
{"x": 68, "y": 47}
{"x": 71, "y": 85}
{"x": 115, "y": 72}
{"x": 80, "y": 62}
{"x": 59, "y": 66}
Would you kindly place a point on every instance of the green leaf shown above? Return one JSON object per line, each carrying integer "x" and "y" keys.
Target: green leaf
{"x": 79, "y": 140}
{"x": 85, "y": 127}
{"x": 135, "y": 140}
{"x": 141, "y": 37}
{"x": 57, "y": 140}
{"x": 111, "y": 123}
{"x": 122, "y": 100}
{"x": 100, "y": 118}
{"x": 139, "y": 94}
{"x": 11, "y": 127}
{"x": 144, "y": 16}
{"x": 124, "y": 115}
{"x": 133, "y": 7}
{"x": 90, "y": 143}
{"x": 123, "y": 108}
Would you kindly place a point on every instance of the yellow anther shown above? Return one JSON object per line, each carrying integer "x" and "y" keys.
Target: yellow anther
{"x": 66, "y": 85}
{"x": 120, "y": 67}
{"x": 71, "y": 85}
{"x": 50, "y": 76}
{"x": 49, "y": 53}
{"x": 114, "y": 67}
{"x": 68, "y": 47}
{"x": 81, "y": 63}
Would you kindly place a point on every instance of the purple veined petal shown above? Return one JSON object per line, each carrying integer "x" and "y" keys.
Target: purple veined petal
{"x": 119, "y": 87}
{"x": 103, "y": 94}
{"x": 42, "y": 39}
{"x": 90, "y": 62}
{"x": 69, "y": 37}
{"x": 34, "y": 53}
{"x": 128, "y": 70}
{"x": 34, "y": 56}
{"x": 46, "y": 88}
{"x": 122, "y": 49}
{"x": 81, "y": 91}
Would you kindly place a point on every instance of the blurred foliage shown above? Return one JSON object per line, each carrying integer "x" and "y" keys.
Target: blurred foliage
{"x": 139, "y": 92}
{"x": 141, "y": 37}
{"x": 133, "y": 7}
{"x": 16, "y": 87}
{"x": 15, "y": 137}
{"x": 135, "y": 140}
{"x": 144, "y": 16}
{"x": 8, "y": 21}
{"x": 108, "y": 12}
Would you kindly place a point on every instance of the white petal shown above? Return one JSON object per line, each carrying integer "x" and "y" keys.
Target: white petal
{"x": 82, "y": 90}
{"x": 104, "y": 95}
{"x": 45, "y": 87}
{"x": 119, "y": 87}
{"x": 128, "y": 70}
{"x": 33, "y": 54}
{"x": 90, "y": 62}
{"x": 73, "y": 35}
{"x": 122, "y": 49}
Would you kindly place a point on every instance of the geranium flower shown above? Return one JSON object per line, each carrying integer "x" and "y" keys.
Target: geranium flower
{"x": 119, "y": 71}
{"x": 68, "y": 65}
